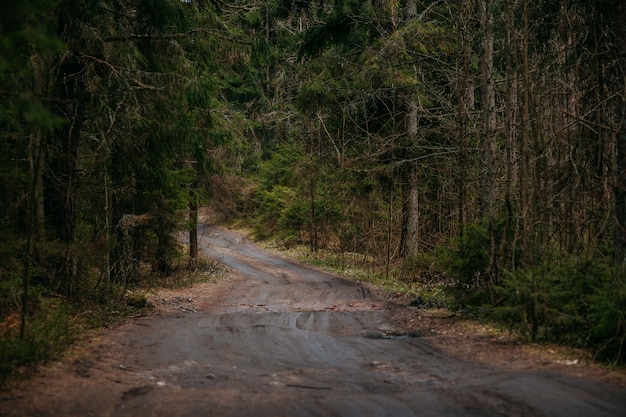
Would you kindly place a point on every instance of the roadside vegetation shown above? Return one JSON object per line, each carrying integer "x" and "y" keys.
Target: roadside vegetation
{"x": 56, "y": 322}
{"x": 584, "y": 310}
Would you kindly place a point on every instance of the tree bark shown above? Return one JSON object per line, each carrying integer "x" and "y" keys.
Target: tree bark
{"x": 620, "y": 189}
{"x": 465, "y": 102}
{"x": 510, "y": 115}
{"x": 193, "y": 234}
{"x": 409, "y": 242}
{"x": 38, "y": 172}
{"x": 62, "y": 186}
{"x": 488, "y": 138}
{"x": 525, "y": 176}
{"x": 620, "y": 137}
{"x": 410, "y": 237}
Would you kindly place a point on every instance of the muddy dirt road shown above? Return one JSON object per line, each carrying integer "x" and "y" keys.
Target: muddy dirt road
{"x": 280, "y": 339}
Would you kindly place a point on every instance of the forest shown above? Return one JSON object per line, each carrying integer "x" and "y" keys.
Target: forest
{"x": 469, "y": 152}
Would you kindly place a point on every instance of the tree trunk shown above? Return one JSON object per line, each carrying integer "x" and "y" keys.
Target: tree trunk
{"x": 38, "y": 161}
{"x": 63, "y": 173}
{"x": 488, "y": 136}
{"x": 620, "y": 137}
{"x": 70, "y": 168}
{"x": 34, "y": 246}
{"x": 510, "y": 114}
{"x": 620, "y": 190}
{"x": 409, "y": 242}
{"x": 193, "y": 234}
{"x": 409, "y": 238}
{"x": 525, "y": 176}
{"x": 166, "y": 243}
{"x": 465, "y": 102}
{"x": 312, "y": 216}
{"x": 39, "y": 245}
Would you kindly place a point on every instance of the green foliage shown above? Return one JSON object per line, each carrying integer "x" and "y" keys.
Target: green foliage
{"x": 281, "y": 166}
{"x": 24, "y": 31}
{"x": 575, "y": 301}
{"x": 28, "y": 43}
{"x": 279, "y": 210}
{"x": 572, "y": 300}
{"x": 47, "y": 333}
{"x": 163, "y": 15}
{"x": 338, "y": 27}
{"x": 466, "y": 257}
{"x": 121, "y": 97}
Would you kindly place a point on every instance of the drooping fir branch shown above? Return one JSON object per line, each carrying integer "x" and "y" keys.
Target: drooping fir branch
{"x": 180, "y": 35}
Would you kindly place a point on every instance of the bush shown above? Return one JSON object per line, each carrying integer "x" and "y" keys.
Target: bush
{"x": 276, "y": 209}
{"x": 575, "y": 301}
{"x": 465, "y": 259}
{"x": 47, "y": 333}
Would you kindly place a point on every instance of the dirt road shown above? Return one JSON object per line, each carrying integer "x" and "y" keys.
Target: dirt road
{"x": 280, "y": 339}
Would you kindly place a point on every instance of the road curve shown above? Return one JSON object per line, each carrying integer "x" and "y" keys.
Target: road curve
{"x": 287, "y": 340}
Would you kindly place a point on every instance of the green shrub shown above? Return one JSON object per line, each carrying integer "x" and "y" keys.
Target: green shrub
{"x": 574, "y": 301}
{"x": 465, "y": 259}
{"x": 47, "y": 333}
{"x": 272, "y": 205}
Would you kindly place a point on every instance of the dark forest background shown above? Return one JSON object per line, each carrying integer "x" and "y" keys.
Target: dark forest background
{"x": 469, "y": 152}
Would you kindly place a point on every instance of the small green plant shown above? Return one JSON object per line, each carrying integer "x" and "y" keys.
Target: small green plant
{"x": 137, "y": 300}
{"x": 465, "y": 260}
{"x": 48, "y": 331}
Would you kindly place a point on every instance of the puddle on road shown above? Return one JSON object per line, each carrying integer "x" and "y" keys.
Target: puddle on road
{"x": 392, "y": 336}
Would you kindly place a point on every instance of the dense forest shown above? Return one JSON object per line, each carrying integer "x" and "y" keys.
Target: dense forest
{"x": 472, "y": 151}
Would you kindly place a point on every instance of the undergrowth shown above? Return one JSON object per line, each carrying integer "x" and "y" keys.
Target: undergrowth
{"x": 417, "y": 284}
{"x": 54, "y": 322}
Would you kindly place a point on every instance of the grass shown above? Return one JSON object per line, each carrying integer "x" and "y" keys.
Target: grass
{"x": 427, "y": 293}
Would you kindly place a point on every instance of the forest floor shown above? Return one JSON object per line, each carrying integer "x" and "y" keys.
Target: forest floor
{"x": 276, "y": 338}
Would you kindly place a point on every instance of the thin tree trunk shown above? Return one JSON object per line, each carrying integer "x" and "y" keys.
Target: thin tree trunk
{"x": 166, "y": 242}
{"x": 64, "y": 166}
{"x": 620, "y": 137}
{"x": 313, "y": 226}
{"x": 488, "y": 135}
{"x": 106, "y": 275}
{"x": 509, "y": 131}
{"x": 525, "y": 151}
{"x": 389, "y": 230}
{"x": 34, "y": 246}
{"x": 312, "y": 216}
{"x": 620, "y": 189}
{"x": 193, "y": 234}
{"x": 410, "y": 235}
{"x": 465, "y": 103}
{"x": 488, "y": 138}
{"x": 38, "y": 195}
{"x": 69, "y": 174}
{"x": 410, "y": 212}
{"x": 409, "y": 244}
